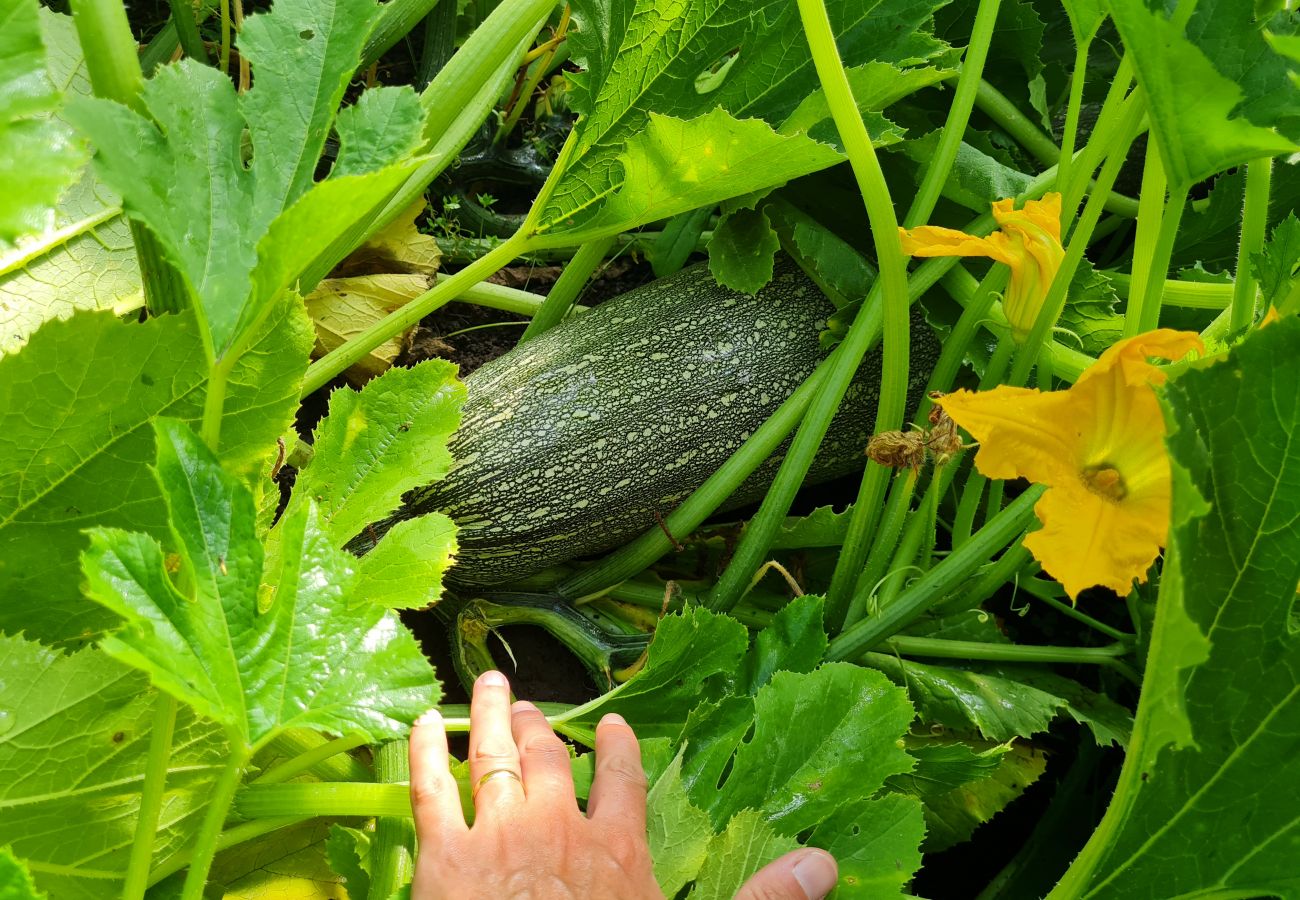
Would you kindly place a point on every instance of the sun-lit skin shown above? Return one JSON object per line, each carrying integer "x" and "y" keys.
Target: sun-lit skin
{"x": 1028, "y": 241}
{"x": 1099, "y": 447}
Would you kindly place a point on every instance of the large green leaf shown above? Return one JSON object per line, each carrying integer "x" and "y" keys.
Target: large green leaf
{"x": 83, "y": 258}
{"x": 665, "y": 85}
{"x": 72, "y": 762}
{"x": 1206, "y": 803}
{"x": 15, "y": 881}
{"x": 746, "y": 845}
{"x": 1206, "y": 130}
{"x": 75, "y": 443}
{"x": 39, "y": 155}
{"x": 305, "y": 653}
{"x": 688, "y": 652}
{"x": 181, "y": 170}
{"x": 380, "y": 442}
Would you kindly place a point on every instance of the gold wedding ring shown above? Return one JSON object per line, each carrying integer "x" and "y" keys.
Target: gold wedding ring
{"x": 492, "y": 775}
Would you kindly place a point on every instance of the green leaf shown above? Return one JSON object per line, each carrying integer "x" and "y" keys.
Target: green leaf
{"x": 181, "y": 171}
{"x": 1089, "y": 315}
{"x": 75, "y": 443}
{"x": 679, "y": 831}
{"x": 850, "y": 720}
{"x": 348, "y": 851}
{"x": 742, "y": 251}
{"x": 975, "y": 180}
{"x": 378, "y": 443}
{"x": 674, "y": 165}
{"x": 710, "y": 66}
{"x": 952, "y": 816}
{"x": 382, "y": 119}
{"x": 83, "y": 257}
{"x": 287, "y": 864}
{"x": 689, "y": 649}
{"x": 256, "y": 670}
{"x": 15, "y": 881}
{"x": 72, "y": 761}
{"x": 823, "y": 527}
{"x": 1276, "y": 267}
{"x": 1003, "y": 702}
{"x": 1207, "y": 798}
{"x": 944, "y": 764}
{"x": 303, "y": 54}
{"x": 405, "y": 569}
{"x": 795, "y": 641}
{"x": 39, "y": 155}
{"x": 747, "y": 844}
{"x": 1199, "y": 132}
{"x": 875, "y": 845}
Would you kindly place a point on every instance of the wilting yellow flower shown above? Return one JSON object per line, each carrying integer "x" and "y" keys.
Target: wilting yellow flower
{"x": 1099, "y": 447}
{"x": 1029, "y": 242}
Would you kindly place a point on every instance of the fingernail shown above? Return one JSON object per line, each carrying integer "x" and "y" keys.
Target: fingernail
{"x": 816, "y": 873}
{"x": 493, "y": 678}
{"x": 613, "y": 719}
{"x": 429, "y": 717}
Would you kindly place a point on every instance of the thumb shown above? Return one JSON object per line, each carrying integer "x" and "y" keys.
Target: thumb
{"x": 807, "y": 874}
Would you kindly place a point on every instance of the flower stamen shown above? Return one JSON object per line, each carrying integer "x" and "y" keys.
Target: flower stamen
{"x": 1105, "y": 481}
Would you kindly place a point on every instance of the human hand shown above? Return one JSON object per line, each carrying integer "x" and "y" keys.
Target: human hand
{"x": 529, "y": 839}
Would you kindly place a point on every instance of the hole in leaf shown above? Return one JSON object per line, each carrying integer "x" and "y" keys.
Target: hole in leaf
{"x": 712, "y": 77}
{"x": 306, "y": 34}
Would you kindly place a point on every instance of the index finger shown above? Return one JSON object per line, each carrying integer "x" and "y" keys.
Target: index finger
{"x": 618, "y": 791}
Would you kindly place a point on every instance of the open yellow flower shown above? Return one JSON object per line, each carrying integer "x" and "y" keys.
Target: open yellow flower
{"x": 1099, "y": 447}
{"x": 1029, "y": 242}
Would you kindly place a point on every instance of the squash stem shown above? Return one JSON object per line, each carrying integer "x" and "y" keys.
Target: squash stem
{"x": 564, "y": 293}
{"x": 391, "y": 862}
{"x": 1078, "y": 77}
{"x": 1254, "y": 222}
{"x": 1151, "y": 208}
{"x": 845, "y": 360}
{"x": 161, "y": 731}
{"x": 871, "y": 491}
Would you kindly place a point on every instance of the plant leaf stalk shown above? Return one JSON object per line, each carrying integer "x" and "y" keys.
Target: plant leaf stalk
{"x": 1028, "y": 135}
{"x": 205, "y": 844}
{"x": 937, "y": 583}
{"x": 1147, "y": 311}
{"x": 1254, "y": 222}
{"x": 1126, "y": 131}
{"x": 875, "y": 479}
{"x": 187, "y": 30}
{"x": 940, "y": 648}
{"x": 848, "y": 356}
{"x": 1099, "y": 142}
{"x": 391, "y": 865}
{"x": 1078, "y": 76}
{"x": 564, "y": 293}
{"x": 161, "y": 731}
{"x": 231, "y": 837}
{"x": 305, "y": 761}
{"x": 1151, "y": 210}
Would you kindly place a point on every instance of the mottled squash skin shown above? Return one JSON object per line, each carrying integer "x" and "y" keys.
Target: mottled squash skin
{"x": 571, "y": 443}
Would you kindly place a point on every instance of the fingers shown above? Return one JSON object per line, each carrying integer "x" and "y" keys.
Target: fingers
{"x": 492, "y": 749}
{"x": 544, "y": 759}
{"x": 435, "y": 799}
{"x": 618, "y": 790}
{"x": 807, "y": 874}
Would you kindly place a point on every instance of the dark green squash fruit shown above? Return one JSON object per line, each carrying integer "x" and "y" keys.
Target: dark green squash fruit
{"x": 570, "y": 444}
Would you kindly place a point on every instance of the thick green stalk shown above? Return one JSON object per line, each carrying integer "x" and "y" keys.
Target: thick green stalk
{"x": 1044, "y": 592}
{"x": 396, "y": 19}
{"x": 954, "y": 127}
{"x": 110, "y": 51}
{"x": 875, "y": 479}
{"x": 883, "y": 542}
{"x": 903, "y": 563}
{"x": 938, "y": 648}
{"x": 498, "y": 296}
{"x": 997, "y": 107}
{"x": 439, "y": 42}
{"x": 1054, "y": 303}
{"x": 391, "y": 862}
{"x": 187, "y": 30}
{"x": 343, "y": 357}
{"x": 1151, "y": 211}
{"x": 1070, "y": 134}
{"x": 937, "y": 583}
{"x": 1254, "y": 222}
{"x": 564, "y": 293}
{"x": 990, "y": 581}
{"x": 258, "y": 801}
{"x": 1148, "y": 310}
{"x": 161, "y": 730}
{"x": 1187, "y": 294}
{"x": 303, "y": 762}
{"x": 846, "y": 358}
{"x": 205, "y": 844}
{"x": 1105, "y": 131}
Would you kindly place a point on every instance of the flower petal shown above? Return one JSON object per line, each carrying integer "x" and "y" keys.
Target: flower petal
{"x": 1087, "y": 540}
{"x": 1022, "y": 432}
{"x": 933, "y": 240}
{"x": 1129, "y": 356}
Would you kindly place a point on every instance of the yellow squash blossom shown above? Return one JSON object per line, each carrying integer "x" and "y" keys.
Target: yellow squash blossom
{"x": 1099, "y": 447}
{"x": 1029, "y": 241}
